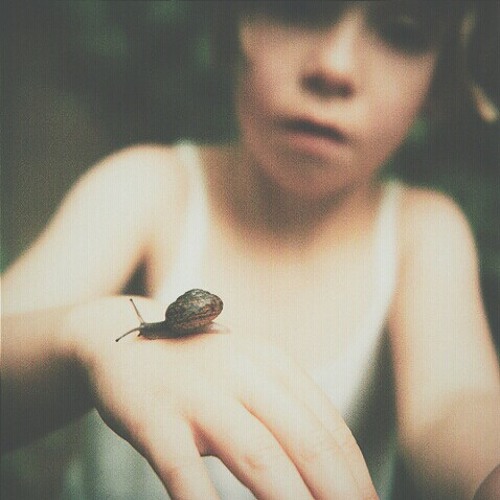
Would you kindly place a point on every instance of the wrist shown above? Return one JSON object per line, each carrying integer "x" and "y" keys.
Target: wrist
{"x": 91, "y": 329}
{"x": 42, "y": 385}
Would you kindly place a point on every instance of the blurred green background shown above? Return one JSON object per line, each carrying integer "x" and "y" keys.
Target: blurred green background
{"x": 81, "y": 79}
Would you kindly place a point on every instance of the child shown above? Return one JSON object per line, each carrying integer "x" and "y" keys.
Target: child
{"x": 313, "y": 256}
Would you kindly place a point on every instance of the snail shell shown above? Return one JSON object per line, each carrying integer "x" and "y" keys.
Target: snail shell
{"x": 192, "y": 311}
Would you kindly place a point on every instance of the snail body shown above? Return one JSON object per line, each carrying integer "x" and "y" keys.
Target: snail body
{"x": 190, "y": 313}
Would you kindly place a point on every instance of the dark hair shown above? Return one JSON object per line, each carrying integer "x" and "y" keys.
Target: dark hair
{"x": 443, "y": 22}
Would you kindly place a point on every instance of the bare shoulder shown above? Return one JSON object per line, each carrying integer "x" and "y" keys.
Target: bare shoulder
{"x": 106, "y": 225}
{"x": 423, "y": 201}
{"x": 139, "y": 172}
{"x": 434, "y": 230}
{"x": 135, "y": 186}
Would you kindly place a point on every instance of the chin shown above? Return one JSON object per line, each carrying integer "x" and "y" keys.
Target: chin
{"x": 311, "y": 187}
{"x": 308, "y": 180}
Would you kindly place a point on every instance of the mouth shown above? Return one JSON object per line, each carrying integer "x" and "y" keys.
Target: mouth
{"x": 314, "y": 139}
{"x": 315, "y": 129}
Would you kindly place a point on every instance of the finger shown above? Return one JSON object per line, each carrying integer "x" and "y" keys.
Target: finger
{"x": 329, "y": 416}
{"x": 249, "y": 451}
{"x": 172, "y": 452}
{"x": 311, "y": 446}
{"x": 307, "y": 391}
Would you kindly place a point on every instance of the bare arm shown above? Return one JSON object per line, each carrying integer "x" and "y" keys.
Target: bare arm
{"x": 91, "y": 246}
{"x": 103, "y": 228}
{"x": 448, "y": 386}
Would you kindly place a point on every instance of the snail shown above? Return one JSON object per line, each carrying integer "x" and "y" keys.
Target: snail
{"x": 190, "y": 313}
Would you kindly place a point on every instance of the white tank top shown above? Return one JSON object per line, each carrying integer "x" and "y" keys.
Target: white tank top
{"x": 359, "y": 384}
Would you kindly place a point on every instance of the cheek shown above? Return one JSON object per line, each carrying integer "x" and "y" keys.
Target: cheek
{"x": 270, "y": 56}
{"x": 256, "y": 98}
{"x": 396, "y": 103}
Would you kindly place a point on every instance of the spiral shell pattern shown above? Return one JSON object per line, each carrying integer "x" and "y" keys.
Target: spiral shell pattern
{"x": 192, "y": 311}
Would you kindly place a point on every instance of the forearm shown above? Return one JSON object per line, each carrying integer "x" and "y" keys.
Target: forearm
{"x": 451, "y": 457}
{"x": 42, "y": 385}
{"x": 46, "y": 358}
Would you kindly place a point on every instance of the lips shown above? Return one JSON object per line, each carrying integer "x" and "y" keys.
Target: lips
{"x": 313, "y": 139}
{"x": 312, "y": 128}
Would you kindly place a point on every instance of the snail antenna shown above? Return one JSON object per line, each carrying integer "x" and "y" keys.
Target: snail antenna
{"x": 137, "y": 311}
{"x": 138, "y": 328}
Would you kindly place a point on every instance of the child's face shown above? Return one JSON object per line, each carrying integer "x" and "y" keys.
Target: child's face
{"x": 323, "y": 103}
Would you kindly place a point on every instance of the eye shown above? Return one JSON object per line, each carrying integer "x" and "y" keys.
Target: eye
{"x": 407, "y": 27}
{"x": 405, "y": 33}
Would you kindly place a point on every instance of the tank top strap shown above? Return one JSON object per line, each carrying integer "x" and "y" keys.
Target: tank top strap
{"x": 186, "y": 269}
{"x": 385, "y": 257}
{"x": 359, "y": 363}
{"x": 386, "y": 241}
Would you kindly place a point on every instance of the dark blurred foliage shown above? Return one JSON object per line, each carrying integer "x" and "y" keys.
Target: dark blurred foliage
{"x": 83, "y": 78}
{"x": 143, "y": 65}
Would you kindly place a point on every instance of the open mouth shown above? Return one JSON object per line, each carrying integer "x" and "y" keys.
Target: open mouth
{"x": 310, "y": 128}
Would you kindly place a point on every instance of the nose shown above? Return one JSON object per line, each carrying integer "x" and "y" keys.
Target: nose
{"x": 332, "y": 65}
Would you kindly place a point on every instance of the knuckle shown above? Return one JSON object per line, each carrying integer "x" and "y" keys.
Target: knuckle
{"x": 181, "y": 467}
{"x": 262, "y": 455}
{"x": 318, "y": 447}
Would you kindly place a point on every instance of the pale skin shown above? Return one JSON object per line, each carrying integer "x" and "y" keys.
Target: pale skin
{"x": 271, "y": 218}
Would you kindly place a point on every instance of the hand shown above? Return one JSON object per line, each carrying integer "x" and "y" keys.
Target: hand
{"x": 217, "y": 394}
